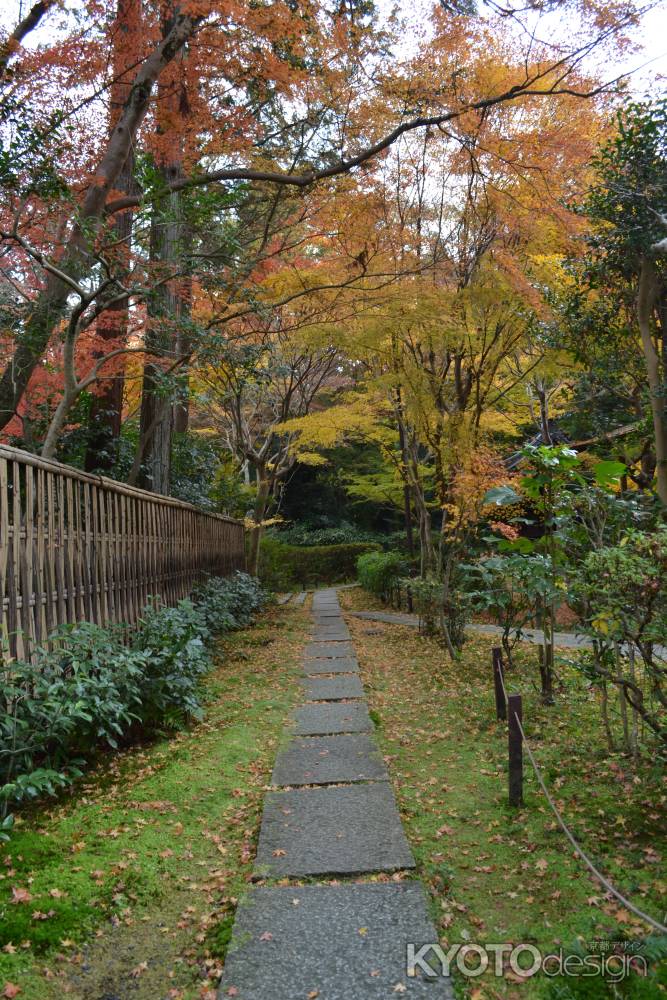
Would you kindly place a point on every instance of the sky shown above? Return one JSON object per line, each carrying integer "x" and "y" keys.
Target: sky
{"x": 648, "y": 67}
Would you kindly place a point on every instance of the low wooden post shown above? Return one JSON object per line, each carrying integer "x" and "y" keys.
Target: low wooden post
{"x": 498, "y": 677}
{"x": 515, "y": 750}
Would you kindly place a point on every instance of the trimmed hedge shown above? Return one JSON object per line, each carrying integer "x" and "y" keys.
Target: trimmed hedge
{"x": 287, "y": 567}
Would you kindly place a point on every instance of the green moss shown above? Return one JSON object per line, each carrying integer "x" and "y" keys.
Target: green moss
{"x": 152, "y": 830}
{"x": 495, "y": 873}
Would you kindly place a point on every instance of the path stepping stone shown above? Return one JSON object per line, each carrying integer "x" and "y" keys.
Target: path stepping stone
{"x": 322, "y": 760}
{"x": 325, "y": 634}
{"x": 333, "y": 688}
{"x": 335, "y": 665}
{"x": 300, "y": 598}
{"x": 318, "y": 649}
{"x": 291, "y": 943}
{"x": 332, "y": 717}
{"x": 348, "y": 830}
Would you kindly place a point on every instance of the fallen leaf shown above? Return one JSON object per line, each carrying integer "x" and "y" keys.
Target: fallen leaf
{"x": 11, "y": 990}
{"x": 20, "y": 895}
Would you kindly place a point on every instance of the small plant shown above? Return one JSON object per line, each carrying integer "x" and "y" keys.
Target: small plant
{"x": 623, "y": 587}
{"x": 380, "y": 572}
{"x": 440, "y": 610}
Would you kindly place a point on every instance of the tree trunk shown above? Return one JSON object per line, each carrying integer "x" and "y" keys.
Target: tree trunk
{"x": 51, "y": 304}
{"x": 104, "y": 419}
{"x": 407, "y": 501}
{"x": 158, "y": 391}
{"x": 258, "y": 514}
{"x": 647, "y": 294}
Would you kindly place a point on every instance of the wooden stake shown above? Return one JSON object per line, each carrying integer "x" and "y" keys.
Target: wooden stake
{"x": 515, "y": 750}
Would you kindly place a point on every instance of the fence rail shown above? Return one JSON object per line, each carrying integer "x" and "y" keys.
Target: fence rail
{"x": 75, "y": 546}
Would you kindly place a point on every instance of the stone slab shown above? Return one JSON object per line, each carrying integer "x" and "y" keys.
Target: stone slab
{"x": 332, "y": 717}
{"x": 336, "y": 665}
{"x": 332, "y": 688}
{"x": 325, "y": 634}
{"x": 291, "y": 943}
{"x": 322, "y": 760}
{"x": 327, "y": 617}
{"x": 326, "y": 594}
{"x": 346, "y": 829}
{"x": 319, "y": 649}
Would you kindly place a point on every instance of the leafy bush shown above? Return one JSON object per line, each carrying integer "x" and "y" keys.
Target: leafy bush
{"x": 441, "y": 610}
{"x": 172, "y": 642}
{"x": 512, "y": 588}
{"x": 229, "y": 603}
{"x": 90, "y": 690}
{"x": 82, "y": 693}
{"x": 285, "y": 567}
{"x": 622, "y": 590}
{"x": 378, "y": 572}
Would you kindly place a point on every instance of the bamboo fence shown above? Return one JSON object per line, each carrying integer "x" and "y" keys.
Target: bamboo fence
{"x": 78, "y": 547}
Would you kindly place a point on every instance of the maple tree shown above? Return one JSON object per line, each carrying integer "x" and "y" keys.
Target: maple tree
{"x": 211, "y": 96}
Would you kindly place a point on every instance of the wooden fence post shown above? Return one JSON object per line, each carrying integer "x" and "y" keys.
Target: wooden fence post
{"x": 498, "y": 678}
{"x": 515, "y": 750}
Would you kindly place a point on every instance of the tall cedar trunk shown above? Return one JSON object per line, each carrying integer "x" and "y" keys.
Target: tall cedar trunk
{"x": 647, "y": 296}
{"x": 183, "y": 346}
{"x": 158, "y": 393}
{"x": 77, "y": 260}
{"x": 259, "y": 511}
{"x": 104, "y": 420}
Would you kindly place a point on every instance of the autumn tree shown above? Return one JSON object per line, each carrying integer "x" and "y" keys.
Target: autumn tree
{"x": 338, "y": 126}
{"x": 261, "y": 381}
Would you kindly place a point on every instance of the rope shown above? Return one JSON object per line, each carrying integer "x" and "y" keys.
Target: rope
{"x": 570, "y": 836}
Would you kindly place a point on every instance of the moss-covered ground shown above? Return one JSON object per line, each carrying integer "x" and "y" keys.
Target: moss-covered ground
{"x": 127, "y": 887}
{"x": 498, "y": 874}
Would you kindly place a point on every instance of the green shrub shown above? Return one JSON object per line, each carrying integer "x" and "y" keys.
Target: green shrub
{"x": 172, "y": 642}
{"x": 229, "y": 603}
{"x": 82, "y": 693}
{"x": 90, "y": 690}
{"x": 286, "y": 567}
{"x": 379, "y": 572}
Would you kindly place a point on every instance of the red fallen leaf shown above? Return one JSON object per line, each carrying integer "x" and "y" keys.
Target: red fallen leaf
{"x": 444, "y": 829}
{"x": 232, "y": 992}
{"x": 11, "y": 990}
{"x": 266, "y": 936}
{"x": 20, "y": 895}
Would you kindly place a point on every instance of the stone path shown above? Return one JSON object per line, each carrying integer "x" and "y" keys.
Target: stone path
{"x": 567, "y": 640}
{"x": 332, "y": 813}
